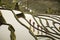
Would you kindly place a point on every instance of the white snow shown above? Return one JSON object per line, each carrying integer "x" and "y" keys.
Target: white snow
{"x": 21, "y": 32}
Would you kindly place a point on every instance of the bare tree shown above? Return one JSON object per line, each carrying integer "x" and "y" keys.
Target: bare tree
{"x": 44, "y": 29}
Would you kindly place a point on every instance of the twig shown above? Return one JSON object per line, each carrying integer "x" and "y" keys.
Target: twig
{"x": 49, "y": 17}
{"x": 42, "y": 31}
{"x": 51, "y": 20}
